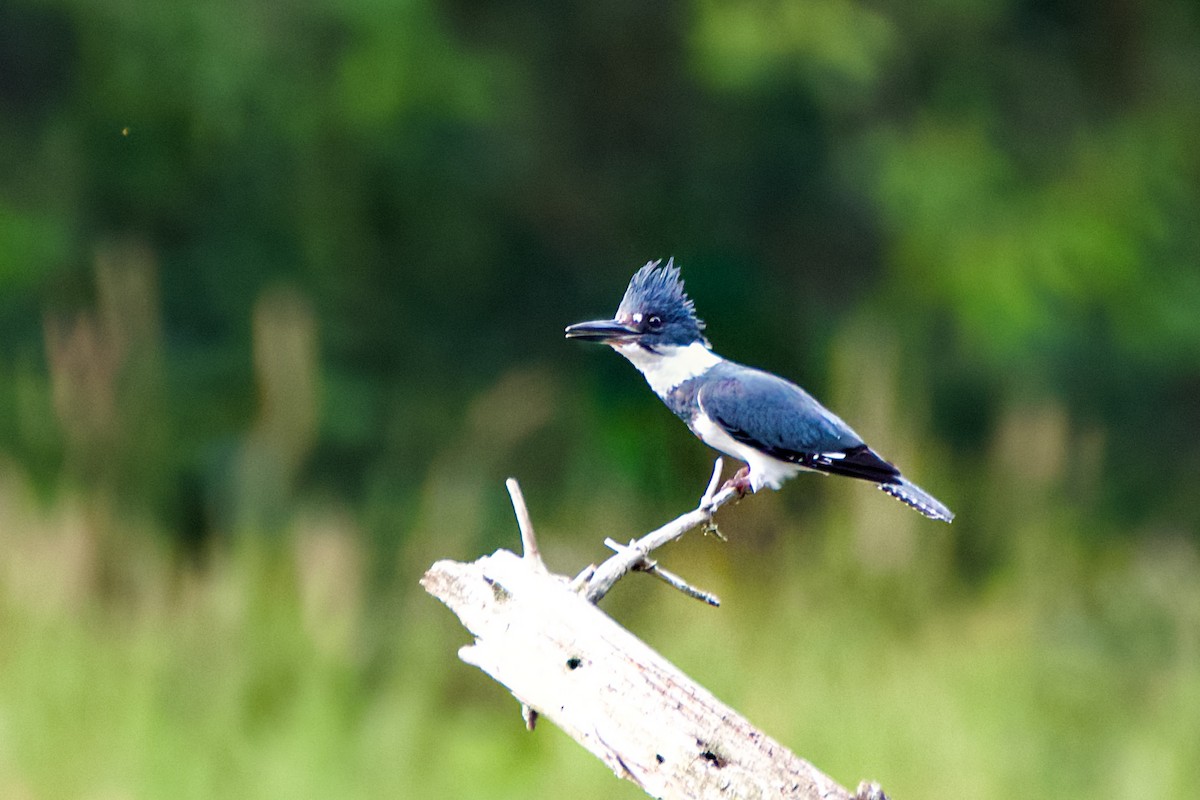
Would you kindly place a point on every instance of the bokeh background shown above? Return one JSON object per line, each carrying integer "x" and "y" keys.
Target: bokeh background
{"x": 282, "y": 291}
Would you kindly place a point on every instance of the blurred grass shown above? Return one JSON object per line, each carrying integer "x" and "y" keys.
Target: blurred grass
{"x": 268, "y": 668}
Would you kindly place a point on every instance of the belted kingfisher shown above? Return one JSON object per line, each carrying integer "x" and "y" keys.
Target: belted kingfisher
{"x": 773, "y": 425}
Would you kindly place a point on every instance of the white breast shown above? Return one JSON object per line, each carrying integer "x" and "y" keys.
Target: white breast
{"x": 764, "y": 470}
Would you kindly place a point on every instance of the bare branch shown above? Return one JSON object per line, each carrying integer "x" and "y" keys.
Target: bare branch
{"x": 649, "y": 722}
{"x": 616, "y": 567}
{"x": 529, "y": 545}
{"x": 674, "y": 581}
{"x": 666, "y": 576}
{"x": 542, "y": 636}
{"x": 531, "y": 553}
{"x": 713, "y": 482}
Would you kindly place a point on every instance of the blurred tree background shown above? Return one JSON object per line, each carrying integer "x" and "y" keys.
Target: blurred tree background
{"x": 282, "y": 290}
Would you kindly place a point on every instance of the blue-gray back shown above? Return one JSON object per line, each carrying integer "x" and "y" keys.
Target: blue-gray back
{"x": 772, "y": 414}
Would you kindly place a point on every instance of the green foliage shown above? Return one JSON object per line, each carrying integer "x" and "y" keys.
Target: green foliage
{"x": 444, "y": 183}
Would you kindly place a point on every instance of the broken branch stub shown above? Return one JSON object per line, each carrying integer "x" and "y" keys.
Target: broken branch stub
{"x": 568, "y": 661}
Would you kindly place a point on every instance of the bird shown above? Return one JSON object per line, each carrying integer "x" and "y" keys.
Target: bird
{"x": 759, "y": 418}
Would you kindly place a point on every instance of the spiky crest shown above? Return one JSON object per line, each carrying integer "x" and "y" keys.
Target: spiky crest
{"x": 658, "y": 289}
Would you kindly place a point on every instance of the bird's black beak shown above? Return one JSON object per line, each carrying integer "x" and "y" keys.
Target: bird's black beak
{"x": 605, "y": 331}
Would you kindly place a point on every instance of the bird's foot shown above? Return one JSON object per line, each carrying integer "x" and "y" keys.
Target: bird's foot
{"x": 710, "y": 527}
{"x": 740, "y": 482}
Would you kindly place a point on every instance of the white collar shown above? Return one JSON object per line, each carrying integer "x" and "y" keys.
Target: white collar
{"x": 670, "y": 365}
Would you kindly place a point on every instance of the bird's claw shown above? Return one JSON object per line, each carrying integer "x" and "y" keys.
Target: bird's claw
{"x": 711, "y": 527}
{"x": 740, "y": 482}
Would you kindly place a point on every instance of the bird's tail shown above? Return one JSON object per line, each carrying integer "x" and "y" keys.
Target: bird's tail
{"x": 912, "y": 495}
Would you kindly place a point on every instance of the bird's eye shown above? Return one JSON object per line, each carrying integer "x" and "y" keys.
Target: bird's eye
{"x": 654, "y": 322}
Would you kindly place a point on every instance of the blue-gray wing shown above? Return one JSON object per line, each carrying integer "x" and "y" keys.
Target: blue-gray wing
{"x": 785, "y": 422}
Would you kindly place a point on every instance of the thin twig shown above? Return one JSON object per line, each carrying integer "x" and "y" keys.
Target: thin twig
{"x": 529, "y": 545}
{"x": 666, "y": 576}
{"x": 676, "y": 582}
{"x": 612, "y": 570}
{"x": 710, "y": 525}
{"x": 713, "y": 482}
{"x": 531, "y": 553}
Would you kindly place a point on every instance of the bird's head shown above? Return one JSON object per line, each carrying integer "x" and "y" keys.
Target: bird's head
{"x": 655, "y": 313}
